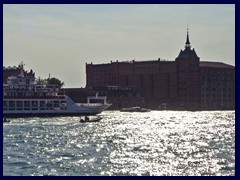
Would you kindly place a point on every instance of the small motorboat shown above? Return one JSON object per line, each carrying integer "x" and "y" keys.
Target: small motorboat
{"x": 6, "y": 120}
{"x": 87, "y": 119}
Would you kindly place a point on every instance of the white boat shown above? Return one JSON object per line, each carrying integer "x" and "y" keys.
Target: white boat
{"x": 22, "y": 97}
{"x": 135, "y": 109}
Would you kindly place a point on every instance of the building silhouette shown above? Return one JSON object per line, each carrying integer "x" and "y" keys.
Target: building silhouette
{"x": 186, "y": 83}
{"x": 15, "y": 71}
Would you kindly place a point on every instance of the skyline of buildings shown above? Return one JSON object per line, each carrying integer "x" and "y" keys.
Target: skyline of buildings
{"x": 48, "y": 37}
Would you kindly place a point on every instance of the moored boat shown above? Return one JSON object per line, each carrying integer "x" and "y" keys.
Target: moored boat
{"x": 23, "y": 97}
{"x": 135, "y": 109}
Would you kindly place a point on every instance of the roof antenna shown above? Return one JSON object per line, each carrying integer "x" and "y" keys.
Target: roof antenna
{"x": 187, "y": 41}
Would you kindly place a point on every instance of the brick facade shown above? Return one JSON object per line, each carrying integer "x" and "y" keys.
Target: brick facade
{"x": 186, "y": 83}
{"x": 217, "y": 86}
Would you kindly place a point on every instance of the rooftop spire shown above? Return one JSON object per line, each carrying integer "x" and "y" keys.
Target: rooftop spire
{"x": 187, "y": 42}
{"x": 21, "y": 69}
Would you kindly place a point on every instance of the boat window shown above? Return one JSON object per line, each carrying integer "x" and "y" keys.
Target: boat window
{"x": 42, "y": 103}
{"x": 49, "y": 104}
{"x": 19, "y": 103}
{"x": 5, "y": 105}
{"x": 56, "y": 104}
{"x": 26, "y": 103}
{"x": 11, "y": 103}
{"x": 34, "y": 105}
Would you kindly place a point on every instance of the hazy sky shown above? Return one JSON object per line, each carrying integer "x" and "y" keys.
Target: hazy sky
{"x": 60, "y": 39}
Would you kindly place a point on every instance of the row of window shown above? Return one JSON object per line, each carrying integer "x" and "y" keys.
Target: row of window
{"x": 215, "y": 83}
{"x": 33, "y": 104}
{"x": 216, "y": 96}
{"x": 214, "y": 89}
{"x": 222, "y": 102}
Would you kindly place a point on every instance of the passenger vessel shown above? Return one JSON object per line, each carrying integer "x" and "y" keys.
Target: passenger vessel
{"x": 23, "y": 97}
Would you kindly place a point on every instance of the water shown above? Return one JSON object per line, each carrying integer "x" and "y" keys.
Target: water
{"x": 157, "y": 143}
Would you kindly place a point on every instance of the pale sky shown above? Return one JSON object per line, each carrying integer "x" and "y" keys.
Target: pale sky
{"x": 60, "y": 39}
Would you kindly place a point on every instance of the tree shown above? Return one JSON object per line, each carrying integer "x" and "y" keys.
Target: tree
{"x": 50, "y": 81}
{"x": 41, "y": 81}
{"x": 55, "y": 81}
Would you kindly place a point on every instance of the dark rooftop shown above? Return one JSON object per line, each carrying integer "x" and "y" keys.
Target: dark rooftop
{"x": 215, "y": 64}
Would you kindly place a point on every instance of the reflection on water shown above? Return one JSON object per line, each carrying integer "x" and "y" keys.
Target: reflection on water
{"x": 155, "y": 143}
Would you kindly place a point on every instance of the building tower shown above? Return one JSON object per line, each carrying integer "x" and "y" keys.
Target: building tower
{"x": 188, "y": 82}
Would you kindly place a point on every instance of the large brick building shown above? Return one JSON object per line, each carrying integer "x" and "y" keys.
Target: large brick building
{"x": 186, "y": 83}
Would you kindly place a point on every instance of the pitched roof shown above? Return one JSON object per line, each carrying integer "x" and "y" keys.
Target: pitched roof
{"x": 215, "y": 64}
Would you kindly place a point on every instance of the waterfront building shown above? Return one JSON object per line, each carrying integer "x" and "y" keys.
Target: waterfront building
{"x": 185, "y": 83}
{"x": 217, "y": 90}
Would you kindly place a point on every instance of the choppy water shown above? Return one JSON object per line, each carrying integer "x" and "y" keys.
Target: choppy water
{"x": 156, "y": 143}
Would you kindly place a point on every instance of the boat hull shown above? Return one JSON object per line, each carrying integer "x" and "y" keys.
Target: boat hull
{"x": 26, "y": 115}
{"x": 86, "y": 110}
{"x": 135, "y": 109}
